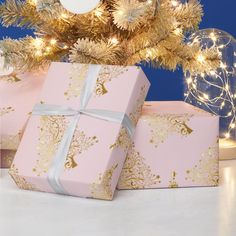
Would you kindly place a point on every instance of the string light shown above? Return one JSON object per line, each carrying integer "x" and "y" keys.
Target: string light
{"x": 114, "y": 41}
{"x": 38, "y": 42}
{"x": 53, "y": 41}
{"x": 223, "y": 96}
{"x": 174, "y": 3}
{"x": 201, "y": 58}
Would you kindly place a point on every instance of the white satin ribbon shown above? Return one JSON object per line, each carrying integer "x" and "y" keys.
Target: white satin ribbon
{"x": 64, "y": 146}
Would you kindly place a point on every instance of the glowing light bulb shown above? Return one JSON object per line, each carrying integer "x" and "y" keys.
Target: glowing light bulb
{"x": 174, "y": 3}
{"x": 178, "y": 31}
{"x": 64, "y": 16}
{"x": 201, "y": 58}
{"x": 53, "y": 41}
{"x": 213, "y": 36}
{"x": 98, "y": 13}
{"x": 206, "y": 96}
{"x": 38, "y": 42}
{"x": 189, "y": 80}
{"x": 232, "y": 125}
{"x": 227, "y": 135}
{"x": 114, "y": 40}
{"x": 223, "y": 66}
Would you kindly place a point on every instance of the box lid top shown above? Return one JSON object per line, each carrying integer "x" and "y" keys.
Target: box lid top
{"x": 174, "y": 107}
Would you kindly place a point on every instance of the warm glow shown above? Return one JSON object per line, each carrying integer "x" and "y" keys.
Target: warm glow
{"x": 114, "y": 40}
{"x": 64, "y": 16}
{"x": 227, "y": 135}
{"x": 213, "y": 36}
{"x": 53, "y": 41}
{"x": 38, "y": 42}
{"x": 201, "y": 58}
{"x": 189, "y": 80}
{"x": 174, "y": 3}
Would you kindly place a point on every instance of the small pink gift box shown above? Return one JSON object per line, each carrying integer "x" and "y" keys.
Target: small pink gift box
{"x": 88, "y": 103}
{"x": 19, "y": 93}
{"x": 175, "y": 145}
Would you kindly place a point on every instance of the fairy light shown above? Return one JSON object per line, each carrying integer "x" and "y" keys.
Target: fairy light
{"x": 213, "y": 36}
{"x": 64, "y": 16}
{"x": 225, "y": 98}
{"x": 174, "y": 3}
{"x": 38, "y": 42}
{"x": 114, "y": 41}
{"x": 201, "y": 58}
{"x": 33, "y": 2}
{"x": 53, "y": 41}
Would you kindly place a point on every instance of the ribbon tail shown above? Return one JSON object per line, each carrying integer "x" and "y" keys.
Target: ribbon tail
{"x": 60, "y": 158}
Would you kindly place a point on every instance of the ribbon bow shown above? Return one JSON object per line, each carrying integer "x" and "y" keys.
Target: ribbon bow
{"x": 64, "y": 146}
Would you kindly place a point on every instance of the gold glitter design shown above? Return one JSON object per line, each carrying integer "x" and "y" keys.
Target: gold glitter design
{"x": 134, "y": 116}
{"x": 6, "y": 110}
{"x": 163, "y": 126}
{"x": 20, "y": 181}
{"x": 77, "y": 77}
{"x": 136, "y": 174}
{"x": 51, "y": 131}
{"x": 106, "y": 74}
{"x": 101, "y": 188}
{"x": 11, "y": 142}
{"x": 172, "y": 182}
{"x": 80, "y": 144}
{"x": 123, "y": 141}
{"x": 206, "y": 172}
{"x": 11, "y": 78}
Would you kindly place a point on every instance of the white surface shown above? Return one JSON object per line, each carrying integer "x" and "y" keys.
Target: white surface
{"x": 79, "y": 6}
{"x": 165, "y": 212}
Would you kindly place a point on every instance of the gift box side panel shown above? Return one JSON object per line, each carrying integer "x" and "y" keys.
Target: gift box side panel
{"x": 17, "y": 101}
{"x": 170, "y": 151}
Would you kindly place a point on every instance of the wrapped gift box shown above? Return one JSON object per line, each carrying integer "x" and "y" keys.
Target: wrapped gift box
{"x": 19, "y": 94}
{"x": 92, "y": 165}
{"x": 175, "y": 145}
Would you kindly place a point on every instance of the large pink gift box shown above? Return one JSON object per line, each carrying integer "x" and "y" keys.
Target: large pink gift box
{"x": 19, "y": 93}
{"x": 92, "y": 166}
{"x": 175, "y": 145}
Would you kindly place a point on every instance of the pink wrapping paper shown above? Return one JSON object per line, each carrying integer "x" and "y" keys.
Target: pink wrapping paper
{"x": 18, "y": 96}
{"x": 98, "y": 150}
{"x": 175, "y": 145}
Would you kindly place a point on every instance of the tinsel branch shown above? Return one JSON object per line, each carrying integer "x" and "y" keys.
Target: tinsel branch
{"x": 121, "y": 32}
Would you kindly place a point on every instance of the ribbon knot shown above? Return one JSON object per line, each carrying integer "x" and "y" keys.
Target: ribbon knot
{"x": 54, "y": 110}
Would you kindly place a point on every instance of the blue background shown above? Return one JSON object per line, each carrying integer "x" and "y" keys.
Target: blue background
{"x": 168, "y": 85}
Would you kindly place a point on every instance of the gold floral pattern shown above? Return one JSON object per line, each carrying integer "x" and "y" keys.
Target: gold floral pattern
{"x": 51, "y": 131}
{"x": 123, "y": 140}
{"x": 77, "y": 78}
{"x": 106, "y": 74}
{"x": 11, "y": 78}
{"x": 6, "y": 110}
{"x": 79, "y": 74}
{"x": 136, "y": 174}
{"x": 172, "y": 182}
{"x": 206, "y": 172}
{"x": 80, "y": 143}
{"x": 20, "y": 181}
{"x": 101, "y": 188}
{"x": 134, "y": 116}
{"x": 163, "y": 126}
